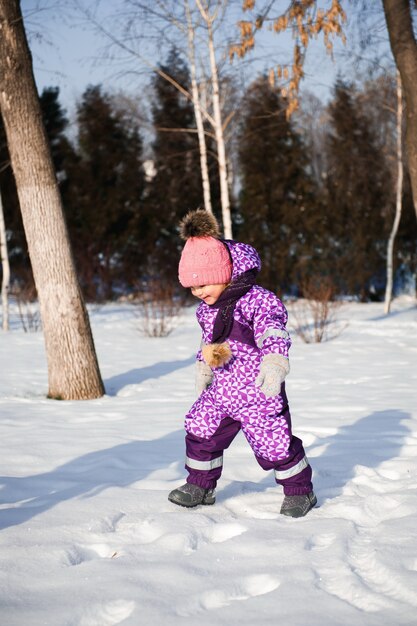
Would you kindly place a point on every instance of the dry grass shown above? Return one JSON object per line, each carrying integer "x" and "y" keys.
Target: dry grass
{"x": 27, "y": 306}
{"x": 314, "y": 317}
{"x": 158, "y": 310}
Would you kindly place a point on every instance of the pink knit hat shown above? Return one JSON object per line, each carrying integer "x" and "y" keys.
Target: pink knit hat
{"x": 205, "y": 260}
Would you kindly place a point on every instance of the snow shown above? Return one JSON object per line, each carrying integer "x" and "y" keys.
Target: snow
{"x": 88, "y": 537}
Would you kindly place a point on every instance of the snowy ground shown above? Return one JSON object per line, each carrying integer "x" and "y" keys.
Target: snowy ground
{"x": 88, "y": 537}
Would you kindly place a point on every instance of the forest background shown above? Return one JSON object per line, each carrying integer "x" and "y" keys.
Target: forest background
{"x": 314, "y": 193}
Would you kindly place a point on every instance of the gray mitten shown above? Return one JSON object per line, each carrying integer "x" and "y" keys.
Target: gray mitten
{"x": 273, "y": 370}
{"x": 203, "y": 376}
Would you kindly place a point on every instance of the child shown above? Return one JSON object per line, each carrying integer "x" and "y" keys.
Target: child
{"x": 241, "y": 368}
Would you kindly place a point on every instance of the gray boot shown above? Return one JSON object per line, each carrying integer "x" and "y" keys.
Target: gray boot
{"x": 298, "y": 506}
{"x": 191, "y": 495}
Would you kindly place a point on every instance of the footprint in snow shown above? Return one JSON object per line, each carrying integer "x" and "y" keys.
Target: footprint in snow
{"x": 223, "y": 532}
{"x": 79, "y": 554}
{"x": 108, "y": 614}
{"x": 321, "y": 542}
{"x": 244, "y": 589}
{"x": 108, "y": 524}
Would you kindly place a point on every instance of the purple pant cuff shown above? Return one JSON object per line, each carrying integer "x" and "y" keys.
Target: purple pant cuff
{"x": 201, "y": 480}
{"x": 298, "y": 485}
{"x": 297, "y": 491}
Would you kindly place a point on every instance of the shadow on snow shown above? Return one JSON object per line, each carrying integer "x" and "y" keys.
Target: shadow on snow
{"x": 86, "y": 476}
{"x": 367, "y": 442}
{"x": 139, "y": 375}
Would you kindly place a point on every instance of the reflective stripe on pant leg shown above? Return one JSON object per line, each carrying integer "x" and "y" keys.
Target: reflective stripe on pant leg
{"x": 203, "y": 465}
{"x": 292, "y": 471}
{"x": 295, "y": 476}
{"x": 204, "y": 457}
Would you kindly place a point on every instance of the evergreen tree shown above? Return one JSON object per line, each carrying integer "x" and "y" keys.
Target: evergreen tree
{"x": 277, "y": 192}
{"x": 378, "y": 101}
{"x": 176, "y": 187}
{"x": 56, "y": 124}
{"x": 405, "y": 249}
{"x": 359, "y": 188}
{"x": 103, "y": 199}
{"x": 17, "y": 247}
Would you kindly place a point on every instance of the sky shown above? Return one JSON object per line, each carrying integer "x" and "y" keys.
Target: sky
{"x": 68, "y": 54}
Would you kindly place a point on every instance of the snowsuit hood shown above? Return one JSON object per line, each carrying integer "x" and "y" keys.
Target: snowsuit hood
{"x": 244, "y": 257}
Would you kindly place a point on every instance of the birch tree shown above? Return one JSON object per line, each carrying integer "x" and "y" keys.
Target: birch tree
{"x": 209, "y": 19}
{"x": 4, "y": 259}
{"x": 198, "y": 109}
{"x": 398, "y": 202}
{"x": 178, "y": 20}
{"x": 73, "y": 371}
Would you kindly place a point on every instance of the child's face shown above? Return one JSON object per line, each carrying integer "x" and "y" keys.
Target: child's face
{"x": 209, "y": 293}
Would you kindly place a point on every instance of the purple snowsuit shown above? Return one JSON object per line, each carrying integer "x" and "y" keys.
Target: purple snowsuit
{"x": 233, "y": 401}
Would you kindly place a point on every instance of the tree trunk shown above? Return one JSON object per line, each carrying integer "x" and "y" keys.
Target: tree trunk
{"x": 197, "y": 112}
{"x": 218, "y": 127}
{"x": 72, "y": 363}
{"x": 404, "y": 49}
{"x": 398, "y": 204}
{"x": 221, "y": 148}
{"x": 4, "y": 258}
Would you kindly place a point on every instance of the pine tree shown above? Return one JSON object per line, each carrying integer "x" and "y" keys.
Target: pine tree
{"x": 56, "y": 125}
{"x": 358, "y": 192}
{"x": 176, "y": 187}
{"x": 104, "y": 196}
{"x": 277, "y": 192}
{"x": 16, "y": 236}
{"x": 405, "y": 250}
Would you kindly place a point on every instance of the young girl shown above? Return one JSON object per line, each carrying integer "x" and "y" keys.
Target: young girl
{"x": 241, "y": 368}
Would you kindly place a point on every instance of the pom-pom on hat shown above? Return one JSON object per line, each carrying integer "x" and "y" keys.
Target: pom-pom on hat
{"x": 205, "y": 260}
